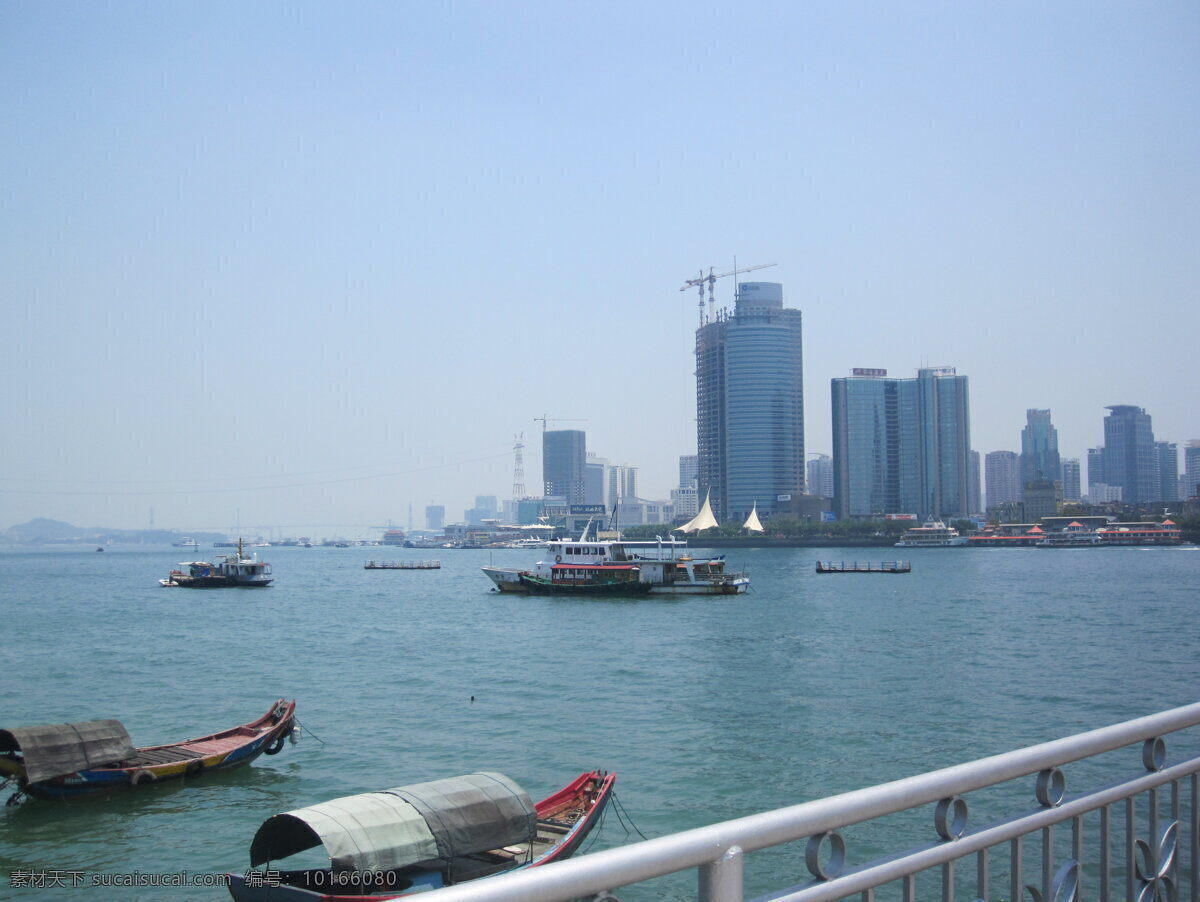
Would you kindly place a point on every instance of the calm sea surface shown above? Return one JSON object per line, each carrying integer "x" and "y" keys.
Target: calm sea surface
{"x": 707, "y": 708}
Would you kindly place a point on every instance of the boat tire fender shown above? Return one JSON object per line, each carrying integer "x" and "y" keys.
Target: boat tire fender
{"x": 194, "y": 769}
{"x": 558, "y": 558}
{"x": 276, "y": 744}
{"x": 140, "y": 776}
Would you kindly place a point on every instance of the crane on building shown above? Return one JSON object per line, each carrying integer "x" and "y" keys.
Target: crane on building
{"x": 711, "y": 279}
{"x": 543, "y": 419}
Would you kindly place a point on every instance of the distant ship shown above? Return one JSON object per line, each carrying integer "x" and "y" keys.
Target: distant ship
{"x": 932, "y": 534}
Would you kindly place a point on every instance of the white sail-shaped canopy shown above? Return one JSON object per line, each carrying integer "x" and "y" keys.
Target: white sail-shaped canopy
{"x": 702, "y": 520}
{"x": 752, "y": 522}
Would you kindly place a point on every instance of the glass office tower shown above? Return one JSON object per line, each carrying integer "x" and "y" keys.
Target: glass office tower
{"x": 1129, "y": 459}
{"x": 902, "y": 445}
{"x": 750, "y": 404}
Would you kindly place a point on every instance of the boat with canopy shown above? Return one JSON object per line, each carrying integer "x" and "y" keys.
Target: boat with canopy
{"x": 419, "y": 837}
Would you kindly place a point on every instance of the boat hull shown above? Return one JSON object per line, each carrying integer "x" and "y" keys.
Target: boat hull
{"x": 192, "y": 758}
{"x": 215, "y": 582}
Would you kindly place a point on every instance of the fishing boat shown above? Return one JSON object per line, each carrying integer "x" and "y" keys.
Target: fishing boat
{"x": 932, "y": 534}
{"x": 411, "y": 839}
{"x": 230, "y": 570}
{"x": 65, "y": 761}
{"x": 583, "y": 567}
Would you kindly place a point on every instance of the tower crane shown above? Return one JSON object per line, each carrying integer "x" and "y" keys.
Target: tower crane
{"x": 710, "y": 279}
{"x": 543, "y": 419}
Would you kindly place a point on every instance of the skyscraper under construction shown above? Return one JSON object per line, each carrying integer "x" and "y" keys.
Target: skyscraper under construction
{"x": 750, "y": 405}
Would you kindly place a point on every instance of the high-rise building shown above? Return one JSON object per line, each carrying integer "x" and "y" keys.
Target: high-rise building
{"x": 750, "y": 404}
{"x": 1039, "y": 449}
{"x": 622, "y": 485}
{"x": 435, "y": 516}
{"x": 974, "y": 502}
{"x": 1166, "y": 459}
{"x": 689, "y": 470}
{"x": 486, "y": 508}
{"x": 1002, "y": 477}
{"x": 1129, "y": 460}
{"x": 1072, "y": 485}
{"x": 564, "y": 458}
{"x": 595, "y": 477}
{"x": 683, "y": 498}
{"x": 820, "y": 475}
{"x": 901, "y": 445}
{"x": 1191, "y": 468}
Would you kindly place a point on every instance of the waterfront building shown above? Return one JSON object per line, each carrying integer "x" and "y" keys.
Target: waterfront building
{"x": 1039, "y": 449}
{"x": 1071, "y": 483}
{"x": 1002, "y": 477}
{"x": 564, "y": 457}
{"x": 1129, "y": 459}
{"x": 750, "y": 404}
{"x": 435, "y": 516}
{"x": 819, "y": 473}
{"x": 1166, "y": 459}
{"x": 1191, "y": 468}
{"x": 901, "y": 445}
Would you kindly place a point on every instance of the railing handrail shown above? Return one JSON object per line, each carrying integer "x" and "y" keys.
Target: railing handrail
{"x": 600, "y": 871}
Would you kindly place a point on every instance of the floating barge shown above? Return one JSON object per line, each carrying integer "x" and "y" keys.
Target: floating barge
{"x": 402, "y": 565}
{"x": 864, "y": 567}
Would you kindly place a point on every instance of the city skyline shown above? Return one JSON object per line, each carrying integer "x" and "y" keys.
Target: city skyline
{"x": 260, "y": 268}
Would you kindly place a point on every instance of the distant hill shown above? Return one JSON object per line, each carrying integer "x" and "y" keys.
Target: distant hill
{"x": 55, "y": 532}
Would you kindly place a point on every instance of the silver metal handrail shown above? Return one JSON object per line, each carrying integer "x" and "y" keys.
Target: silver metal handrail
{"x": 718, "y": 850}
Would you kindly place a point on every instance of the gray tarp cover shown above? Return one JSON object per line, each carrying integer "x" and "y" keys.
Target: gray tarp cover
{"x": 393, "y": 828}
{"x": 58, "y": 749}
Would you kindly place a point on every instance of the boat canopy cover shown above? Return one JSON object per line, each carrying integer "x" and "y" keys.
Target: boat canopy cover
{"x": 393, "y": 828}
{"x": 58, "y": 749}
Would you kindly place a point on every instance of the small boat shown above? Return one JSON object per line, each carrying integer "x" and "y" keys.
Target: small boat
{"x": 65, "y": 761}
{"x": 186, "y": 542}
{"x": 932, "y": 534}
{"x": 421, "y": 837}
{"x": 864, "y": 567}
{"x": 230, "y": 570}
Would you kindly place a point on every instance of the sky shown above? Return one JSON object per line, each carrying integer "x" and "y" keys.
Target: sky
{"x": 290, "y": 264}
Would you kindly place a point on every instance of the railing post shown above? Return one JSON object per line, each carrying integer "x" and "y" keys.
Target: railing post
{"x": 721, "y": 880}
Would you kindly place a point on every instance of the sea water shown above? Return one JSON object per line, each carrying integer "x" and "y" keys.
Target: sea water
{"x": 706, "y": 708}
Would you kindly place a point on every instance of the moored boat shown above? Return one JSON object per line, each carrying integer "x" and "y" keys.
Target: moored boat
{"x": 932, "y": 534}
{"x": 580, "y": 566}
{"x": 410, "y": 839}
{"x": 230, "y": 570}
{"x": 63, "y": 761}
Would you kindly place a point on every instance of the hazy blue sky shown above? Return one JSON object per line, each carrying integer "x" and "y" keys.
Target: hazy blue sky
{"x": 308, "y": 263}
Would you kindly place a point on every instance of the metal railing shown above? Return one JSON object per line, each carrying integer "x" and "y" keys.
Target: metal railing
{"x": 1155, "y": 835}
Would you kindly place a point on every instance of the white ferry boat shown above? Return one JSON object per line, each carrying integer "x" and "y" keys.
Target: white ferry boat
{"x": 932, "y": 534}
{"x": 584, "y": 567}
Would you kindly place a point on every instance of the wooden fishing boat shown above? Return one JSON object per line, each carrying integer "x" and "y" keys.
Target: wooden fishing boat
{"x": 392, "y": 843}
{"x": 65, "y": 761}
